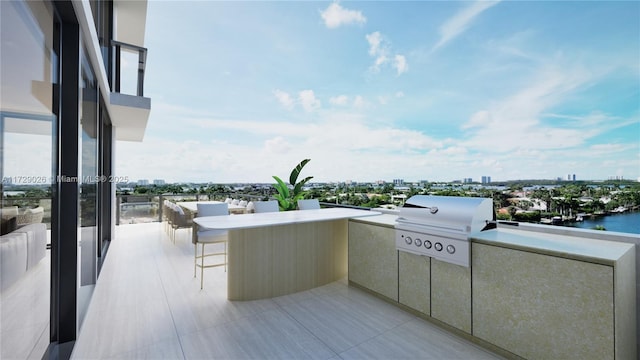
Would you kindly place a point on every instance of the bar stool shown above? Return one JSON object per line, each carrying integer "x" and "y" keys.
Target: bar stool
{"x": 205, "y": 237}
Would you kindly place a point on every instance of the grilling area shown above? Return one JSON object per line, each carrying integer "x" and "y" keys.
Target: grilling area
{"x": 463, "y": 287}
{"x": 439, "y": 226}
{"x": 521, "y": 290}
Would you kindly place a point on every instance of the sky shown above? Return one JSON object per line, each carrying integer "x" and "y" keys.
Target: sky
{"x": 382, "y": 90}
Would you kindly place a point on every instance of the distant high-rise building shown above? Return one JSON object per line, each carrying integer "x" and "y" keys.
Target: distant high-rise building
{"x": 143, "y": 182}
{"x": 486, "y": 179}
{"x": 398, "y": 182}
{"x": 573, "y": 177}
{"x": 158, "y": 182}
{"x": 467, "y": 180}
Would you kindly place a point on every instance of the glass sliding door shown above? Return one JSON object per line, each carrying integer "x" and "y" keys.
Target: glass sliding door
{"x": 29, "y": 63}
{"x": 105, "y": 185}
{"x": 88, "y": 187}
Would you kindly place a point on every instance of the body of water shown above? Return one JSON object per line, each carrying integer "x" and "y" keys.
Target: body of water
{"x": 626, "y": 222}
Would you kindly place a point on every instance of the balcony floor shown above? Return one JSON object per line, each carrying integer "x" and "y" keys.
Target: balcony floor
{"x": 147, "y": 304}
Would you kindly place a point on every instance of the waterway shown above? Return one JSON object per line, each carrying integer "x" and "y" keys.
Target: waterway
{"x": 626, "y": 222}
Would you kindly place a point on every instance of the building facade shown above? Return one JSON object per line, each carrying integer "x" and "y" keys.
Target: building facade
{"x": 68, "y": 93}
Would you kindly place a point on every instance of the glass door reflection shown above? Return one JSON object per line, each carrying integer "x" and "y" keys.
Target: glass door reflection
{"x": 88, "y": 188}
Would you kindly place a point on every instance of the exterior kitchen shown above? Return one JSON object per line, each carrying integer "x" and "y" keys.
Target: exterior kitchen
{"x": 520, "y": 290}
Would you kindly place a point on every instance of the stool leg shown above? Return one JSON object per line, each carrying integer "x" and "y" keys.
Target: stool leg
{"x": 202, "y": 269}
{"x": 195, "y": 258}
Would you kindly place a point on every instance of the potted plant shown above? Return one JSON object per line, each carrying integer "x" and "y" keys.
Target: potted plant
{"x": 288, "y": 198}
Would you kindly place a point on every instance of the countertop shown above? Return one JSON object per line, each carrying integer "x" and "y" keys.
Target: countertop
{"x": 571, "y": 247}
{"x": 193, "y": 205}
{"x": 577, "y": 247}
{"x": 386, "y": 220}
{"x": 247, "y": 221}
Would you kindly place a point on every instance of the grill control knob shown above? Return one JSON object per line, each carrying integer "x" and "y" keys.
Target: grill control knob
{"x": 438, "y": 246}
{"x": 427, "y": 244}
{"x": 418, "y": 242}
{"x": 451, "y": 249}
{"x": 408, "y": 240}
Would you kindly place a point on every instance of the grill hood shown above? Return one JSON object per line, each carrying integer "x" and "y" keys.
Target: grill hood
{"x": 451, "y": 213}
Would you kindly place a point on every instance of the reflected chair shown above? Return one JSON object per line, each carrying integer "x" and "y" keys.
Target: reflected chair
{"x": 251, "y": 207}
{"x": 9, "y": 212}
{"x": 308, "y": 204}
{"x": 166, "y": 215}
{"x": 30, "y": 216}
{"x": 266, "y": 206}
{"x": 204, "y": 237}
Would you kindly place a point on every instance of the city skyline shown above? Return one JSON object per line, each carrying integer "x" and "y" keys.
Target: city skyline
{"x": 379, "y": 90}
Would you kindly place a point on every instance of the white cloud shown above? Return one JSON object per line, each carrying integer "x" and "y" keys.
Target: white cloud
{"x": 401, "y": 64}
{"x": 284, "y": 98}
{"x": 517, "y": 120}
{"x": 375, "y": 40}
{"x": 459, "y": 23}
{"x": 399, "y": 94}
{"x": 252, "y": 150}
{"x": 26, "y": 157}
{"x": 379, "y": 49}
{"x": 359, "y": 102}
{"x": 277, "y": 145}
{"x": 339, "y": 100}
{"x": 478, "y": 119}
{"x": 308, "y": 100}
{"x": 335, "y": 16}
{"x": 269, "y": 147}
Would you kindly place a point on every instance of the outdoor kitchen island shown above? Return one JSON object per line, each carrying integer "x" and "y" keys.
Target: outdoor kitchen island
{"x": 279, "y": 253}
{"x": 527, "y": 294}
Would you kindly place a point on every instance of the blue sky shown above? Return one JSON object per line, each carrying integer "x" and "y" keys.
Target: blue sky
{"x": 370, "y": 91}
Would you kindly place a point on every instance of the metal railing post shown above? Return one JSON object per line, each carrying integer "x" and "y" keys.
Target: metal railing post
{"x": 118, "y": 200}
{"x": 116, "y": 72}
{"x": 142, "y": 58}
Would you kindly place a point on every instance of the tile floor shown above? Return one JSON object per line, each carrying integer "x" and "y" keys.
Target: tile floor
{"x": 148, "y": 305}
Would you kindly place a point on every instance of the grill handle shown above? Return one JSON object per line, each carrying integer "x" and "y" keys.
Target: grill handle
{"x": 432, "y": 209}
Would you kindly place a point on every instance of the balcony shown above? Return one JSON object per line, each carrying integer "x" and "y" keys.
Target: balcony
{"x": 147, "y": 304}
{"x": 129, "y": 108}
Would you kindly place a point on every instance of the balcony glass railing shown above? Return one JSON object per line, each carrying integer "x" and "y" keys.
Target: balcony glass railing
{"x": 125, "y": 56}
{"x": 135, "y": 209}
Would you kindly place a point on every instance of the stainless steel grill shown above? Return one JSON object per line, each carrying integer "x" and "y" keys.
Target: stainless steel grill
{"x": 439, "y": 226}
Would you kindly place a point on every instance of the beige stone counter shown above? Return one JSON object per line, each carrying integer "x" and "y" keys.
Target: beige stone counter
{"x": 386, "y": 220}
{"x": 570, "y": 247}
{"x": 373, "y": 259}
{"x": 535, "y": 293}
{"x": 551, "y": 296}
